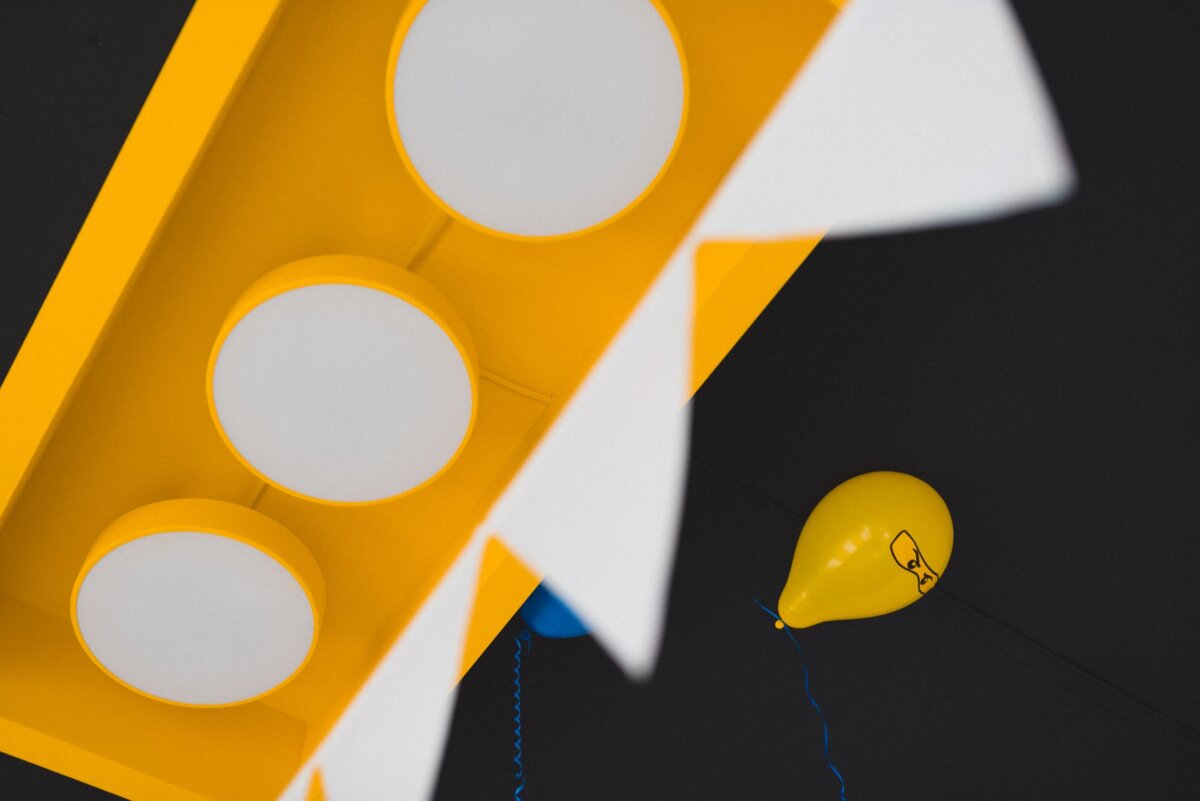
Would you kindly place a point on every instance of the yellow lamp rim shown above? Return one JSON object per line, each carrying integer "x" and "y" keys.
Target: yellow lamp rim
{"x": 406, "y": 21}
{"x": 221, "y": 519}
{"x": 354, "y": 271}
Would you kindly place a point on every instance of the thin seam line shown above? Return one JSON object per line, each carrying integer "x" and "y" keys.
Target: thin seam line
{"x": 258, "y": 495}
{"x": 753, "y": 490}
{"x": 1192, "y": 736}
{"x": 425, "y": 242}
{"x": 540, "y": 397}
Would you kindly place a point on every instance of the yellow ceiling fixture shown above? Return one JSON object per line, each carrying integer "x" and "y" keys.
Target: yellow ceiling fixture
{"x": 344, "y": 380}
{"x": 198, "y": 603}
{"x": 265, "y": 143}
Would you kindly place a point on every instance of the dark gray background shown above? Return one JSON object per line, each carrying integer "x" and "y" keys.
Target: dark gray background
{"x": 1040, "y": 371}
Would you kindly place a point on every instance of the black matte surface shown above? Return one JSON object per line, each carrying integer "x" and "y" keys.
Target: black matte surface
{"x": 932, "y": 702}
{"x": 21, "y": 781}
{"x": 73, "y": 76}
{"x": 1042, "y": 372}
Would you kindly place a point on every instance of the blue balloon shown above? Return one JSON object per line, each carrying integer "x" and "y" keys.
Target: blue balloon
{"x": 548, "y": 616}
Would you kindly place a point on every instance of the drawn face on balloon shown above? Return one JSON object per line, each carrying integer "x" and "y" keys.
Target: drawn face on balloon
{"x": 908, "y": 556}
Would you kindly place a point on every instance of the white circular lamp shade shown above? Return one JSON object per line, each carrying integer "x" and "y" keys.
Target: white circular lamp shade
{"x": 344, "y": 380}
{"x": 198, "y": 603}
{"x": 537, "y": 118}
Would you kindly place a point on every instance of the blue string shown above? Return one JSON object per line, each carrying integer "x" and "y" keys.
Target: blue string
{"x": 824, "y": 725}
{"x": 523, "y": 641}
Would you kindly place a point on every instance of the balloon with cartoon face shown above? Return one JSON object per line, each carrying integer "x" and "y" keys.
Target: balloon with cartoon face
{"x": 874, "y": 544}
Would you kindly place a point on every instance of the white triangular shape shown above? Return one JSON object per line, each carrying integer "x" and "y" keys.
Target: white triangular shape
{"x": 908, "y": 114}
{"x": 388, "y": 743}
{"x": 596, "y": 507}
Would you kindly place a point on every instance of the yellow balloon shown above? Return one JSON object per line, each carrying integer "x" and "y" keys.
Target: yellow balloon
{"x": 874, "y": 544}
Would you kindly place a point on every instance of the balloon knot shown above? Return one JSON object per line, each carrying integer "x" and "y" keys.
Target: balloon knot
{"x": 779, "y": 625}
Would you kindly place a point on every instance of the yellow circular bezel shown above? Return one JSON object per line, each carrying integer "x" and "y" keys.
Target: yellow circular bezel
{"x": 221, "y": 519}
{"x": 406, "y": 21}
{"x": 355, "y": 271}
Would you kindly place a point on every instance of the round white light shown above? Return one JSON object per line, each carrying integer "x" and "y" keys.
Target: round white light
{"x": 194, "y": 617}
{"x": 537, "y": 117}
{"x": 344, "y": 392}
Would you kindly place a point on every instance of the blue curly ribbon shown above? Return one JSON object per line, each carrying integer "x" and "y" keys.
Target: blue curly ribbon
{"x": 523, "y": 642}
{"x": 824, "y": 725}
